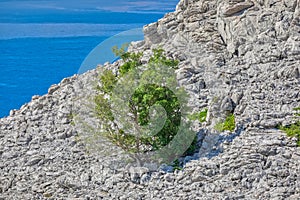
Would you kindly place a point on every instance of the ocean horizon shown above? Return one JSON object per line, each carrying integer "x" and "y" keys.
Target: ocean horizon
{"x": 38, "y": 50}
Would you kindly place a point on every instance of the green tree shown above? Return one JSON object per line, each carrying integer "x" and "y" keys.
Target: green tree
{"x": 138, "y": 114}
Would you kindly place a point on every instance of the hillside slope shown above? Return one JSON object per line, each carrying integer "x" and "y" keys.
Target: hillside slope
{"x": 237, "y": 56}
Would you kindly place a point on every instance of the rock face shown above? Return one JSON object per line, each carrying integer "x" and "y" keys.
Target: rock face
{"x": 235, "y": 56}
{"x": 247, "y": 51}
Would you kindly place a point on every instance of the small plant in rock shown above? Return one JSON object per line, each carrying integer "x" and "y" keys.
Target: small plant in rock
{"x": 71, "y": 117}
{"x": 228, "y": 124}
{"x": 158, "y": 56}
{"x": 200, "y": 116}
{"x": 298, "y": 111}
{"x": 131, "y": 60}
{"x": 176, "y": 165}
{"x": 293, "y": 130}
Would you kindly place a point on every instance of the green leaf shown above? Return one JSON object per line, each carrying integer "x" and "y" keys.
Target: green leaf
{"x": 108, "y": 81}
{"x": 228, "y": 124}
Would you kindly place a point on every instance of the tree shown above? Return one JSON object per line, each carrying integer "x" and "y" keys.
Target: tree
{"x": 142, "y": 110}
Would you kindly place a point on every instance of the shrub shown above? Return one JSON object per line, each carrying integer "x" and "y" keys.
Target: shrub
{"x": 298, "y": 110}
{"x": 131, "y": 60}
{"x": 293, "y": 130}
{"x": 108, "y": 81}
{"x": 71, "y": 117}
{"x": 176, "y": 165}
{"x": 228, "y": 124}
{"x": 146, "y": 96}
{"x": 159, "y": 57}
{"x": 200, "y": 116}
{"x": 139, "y": 106}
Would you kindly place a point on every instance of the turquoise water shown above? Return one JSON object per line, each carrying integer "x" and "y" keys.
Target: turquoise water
{"x": 38, "y": 50}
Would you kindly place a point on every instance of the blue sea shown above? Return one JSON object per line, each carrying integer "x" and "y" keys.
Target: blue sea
{"x": 38, "y": 50}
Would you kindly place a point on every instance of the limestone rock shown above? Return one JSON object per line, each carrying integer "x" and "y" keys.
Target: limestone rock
{"x": 236, "y": 56}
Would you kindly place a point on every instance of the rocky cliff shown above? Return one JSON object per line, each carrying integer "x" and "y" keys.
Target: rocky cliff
{"x": 240, "y": 56}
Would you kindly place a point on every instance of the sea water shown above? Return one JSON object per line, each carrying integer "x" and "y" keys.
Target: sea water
{"x": 36, "y": 52}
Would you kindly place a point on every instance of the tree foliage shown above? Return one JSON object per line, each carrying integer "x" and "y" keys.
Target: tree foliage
{"x": 140, "y": 105}
{"x": 131, "y": 60}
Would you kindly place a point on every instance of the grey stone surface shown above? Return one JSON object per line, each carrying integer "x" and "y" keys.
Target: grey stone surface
{"x": 236, "y": 56}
